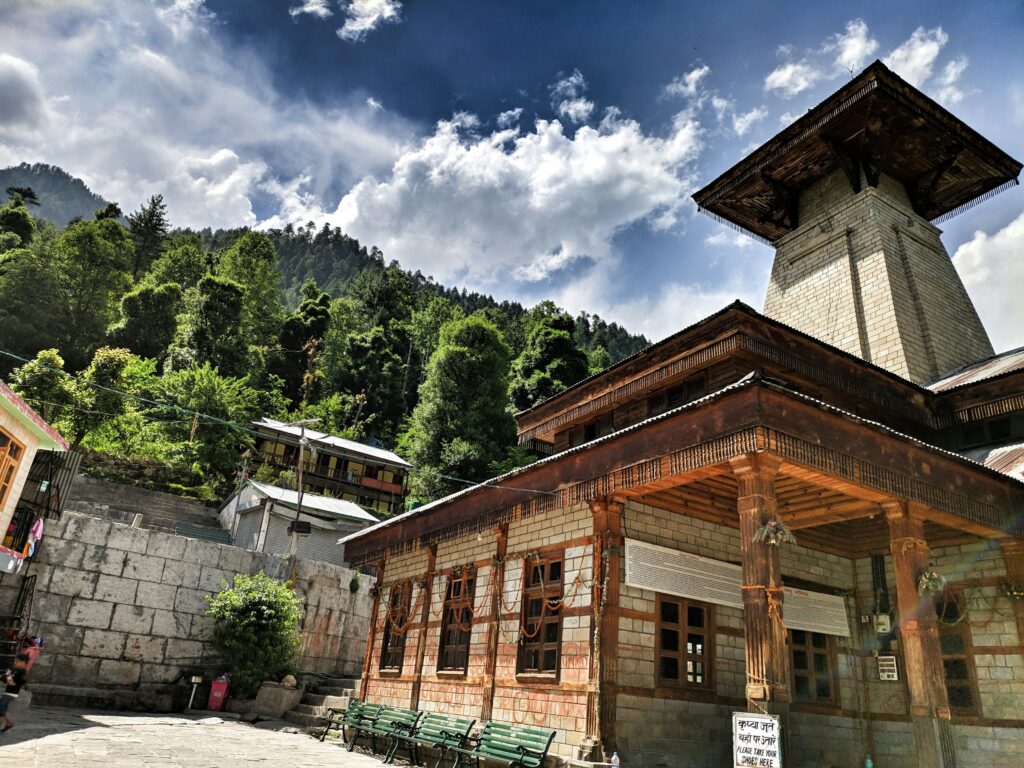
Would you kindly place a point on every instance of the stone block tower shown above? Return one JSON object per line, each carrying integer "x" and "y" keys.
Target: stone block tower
{"x": 848, "y": 195}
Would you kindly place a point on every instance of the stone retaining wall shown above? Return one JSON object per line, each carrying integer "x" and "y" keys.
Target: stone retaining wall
{"x": 121, "y": 610}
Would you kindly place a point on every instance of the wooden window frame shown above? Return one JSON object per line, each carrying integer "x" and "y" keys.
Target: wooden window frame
{"x": 662, "y": 401}
{"x": 9, "y": 464}
{"x": 963, "y": 632}
{"x": 538, "y": 644}
{"x": 392, "y": 646}
{"x": 832, "y": 673}
{"x": 683, "y": 655}
{"x": 456, "y": 613}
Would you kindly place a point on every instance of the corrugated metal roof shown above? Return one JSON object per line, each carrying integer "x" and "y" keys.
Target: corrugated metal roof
{"x": 333, "y": 441}
{"x": 1008, "y": 459}
{"x": 981, "y": 370}
{"x": 312, "y": 502}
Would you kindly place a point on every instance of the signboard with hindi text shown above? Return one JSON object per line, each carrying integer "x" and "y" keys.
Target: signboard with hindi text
{"x": 756, "y": 741}
{"x": 672, "y": 572}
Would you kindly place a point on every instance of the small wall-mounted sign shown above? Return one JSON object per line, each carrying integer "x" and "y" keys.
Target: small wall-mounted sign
{"x": 887, "y": 669}
{"x": 756, "y": 740}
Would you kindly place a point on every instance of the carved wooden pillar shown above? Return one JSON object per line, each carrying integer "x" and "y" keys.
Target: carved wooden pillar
{"x": 372, "y": 632}
{"x": 604, "y": 649}
{"x": 421, "y": 641}
{"x": 919, "y": 635}
{"x": 494, "y": 629}
{"x": 1013, "y": 557}
{"x": 765, "y": 636}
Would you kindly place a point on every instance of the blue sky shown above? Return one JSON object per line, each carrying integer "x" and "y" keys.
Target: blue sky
{"x": 527, "y": 149}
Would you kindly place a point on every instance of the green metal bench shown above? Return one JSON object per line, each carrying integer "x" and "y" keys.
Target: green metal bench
{"x": 388, "y": 722}
{"x": 434, "y": 730}
{"x": 514, "y": 746}
{"x": 356, "y": 715}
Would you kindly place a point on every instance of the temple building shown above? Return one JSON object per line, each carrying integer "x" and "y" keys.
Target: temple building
{"x": 815, "y": 512}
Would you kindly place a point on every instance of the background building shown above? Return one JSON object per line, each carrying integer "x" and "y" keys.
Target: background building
{"x": 372, "y": 477}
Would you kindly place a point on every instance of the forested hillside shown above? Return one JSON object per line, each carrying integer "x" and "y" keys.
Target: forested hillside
{"x": 62, "y": 197}
{"x": 146, "y": 342}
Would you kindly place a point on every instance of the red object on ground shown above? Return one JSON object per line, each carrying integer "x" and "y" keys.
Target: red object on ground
{"x": 218, "y": 693}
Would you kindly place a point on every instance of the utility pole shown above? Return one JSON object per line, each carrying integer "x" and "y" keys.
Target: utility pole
{"x": 294, "y": 544}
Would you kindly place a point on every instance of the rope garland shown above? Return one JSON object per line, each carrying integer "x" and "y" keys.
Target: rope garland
{"x": 775, "y": 597}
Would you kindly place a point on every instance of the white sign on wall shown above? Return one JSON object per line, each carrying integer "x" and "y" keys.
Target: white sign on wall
{"x": 756, "y": 741}
{"x": 649, "y": 566}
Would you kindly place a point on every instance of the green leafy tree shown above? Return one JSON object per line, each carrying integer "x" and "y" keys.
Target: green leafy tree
{"x": 93, "y": 259}
{"x": 111, "y": 212}
{"x": 461, "y": 425}
{"x": 184, "y": 265}
{"x": 148, "y": 320}
{"x": 302, "y": 338}
{"x": 256, "y": 630}
{"x": 209, "y": 328}
{"x": 45, "y": 385}
{"x": 598, "y": 359}
{"x": 251, "y": 262}
{"x": 15, "y": 218}
{"x": 99, "y": 392}
{"x": 550, "y": 362}
{"x": 148, "y": 226}
{"x": 25, "y": 194}
{"x": 426, "y": 323}
{"x": 31, "y": 310}
{"x": 383, "y": 296}
{"x": 210, "y": 446}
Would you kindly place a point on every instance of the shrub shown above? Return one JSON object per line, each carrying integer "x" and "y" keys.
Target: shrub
{"x": 256, "y": 631}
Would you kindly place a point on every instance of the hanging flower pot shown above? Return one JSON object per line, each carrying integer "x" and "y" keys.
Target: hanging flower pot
{"x": 774, "y": 533}
{"x": 353, "y": 585}
{"x": 930, "y": 582}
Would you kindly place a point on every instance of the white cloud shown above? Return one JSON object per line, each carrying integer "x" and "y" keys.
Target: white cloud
{"x": 364, "y": 16}
{"x": 686, "y": 85}
{"x": 567, "y": 98}
{"x": 319, "y": 8}
{"x": 947, "y": 88}
{"x": 161, "y": 96}
{"x": 509, "y": 118}
{"x": 478, "y": 208}
{"x": 23, "y": 104}
{"x": 721, "y": 107}
{"x": 792, "y": 78}
{"x": 723, "y": 239}
{"x": 853, "y": 49}
{"x": 915, "y": 58}
{"x": 989, "y": 264}
{"x": 743, "y": 123}
{"x": 373, "y": 104}
{"x": 788, "y": 118}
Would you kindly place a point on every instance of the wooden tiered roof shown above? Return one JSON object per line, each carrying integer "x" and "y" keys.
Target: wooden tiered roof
{"x": 877, "y": 123}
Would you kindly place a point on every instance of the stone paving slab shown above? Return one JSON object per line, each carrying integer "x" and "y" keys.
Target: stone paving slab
{"x": 55, "y": 737}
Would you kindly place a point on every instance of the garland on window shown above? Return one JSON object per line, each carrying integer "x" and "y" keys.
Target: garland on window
{"x": 774, "y": 533}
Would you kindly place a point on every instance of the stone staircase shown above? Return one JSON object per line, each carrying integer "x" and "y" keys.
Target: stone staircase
{"x": 312, "y": 710}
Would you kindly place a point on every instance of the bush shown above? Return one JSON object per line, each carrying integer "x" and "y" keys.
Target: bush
{"x": 256, "y": 631}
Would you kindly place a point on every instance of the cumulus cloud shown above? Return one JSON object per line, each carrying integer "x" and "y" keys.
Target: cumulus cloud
{"x": 947, "y": 85}
{"x": 364, "y": 16}
{"x": 509, "y": 118}
{"x": 794, "y": 77}
{"x": 319, "y": 8}
{"x": 567, "y": 98}
{"x": 987, "y": 265}
{"x": 741, "y": 123}
{"x": 480, "y": 207}
{"x": 373, "y": 104}
{"x": 854, "y": 48}
{"x": 723, "y": 239}
{"x": 686, "y": 85}
{"x": 232, "y": 131}
{"x": 914, "y": 59}
{"x": 23, "y": 104}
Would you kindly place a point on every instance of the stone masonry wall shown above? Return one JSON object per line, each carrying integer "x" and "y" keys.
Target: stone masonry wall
{"x": 121, "y": 610}
{"x": 866, "y": 274}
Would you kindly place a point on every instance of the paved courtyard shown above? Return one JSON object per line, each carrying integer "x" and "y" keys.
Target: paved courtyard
{"x": 53, "y": 737}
